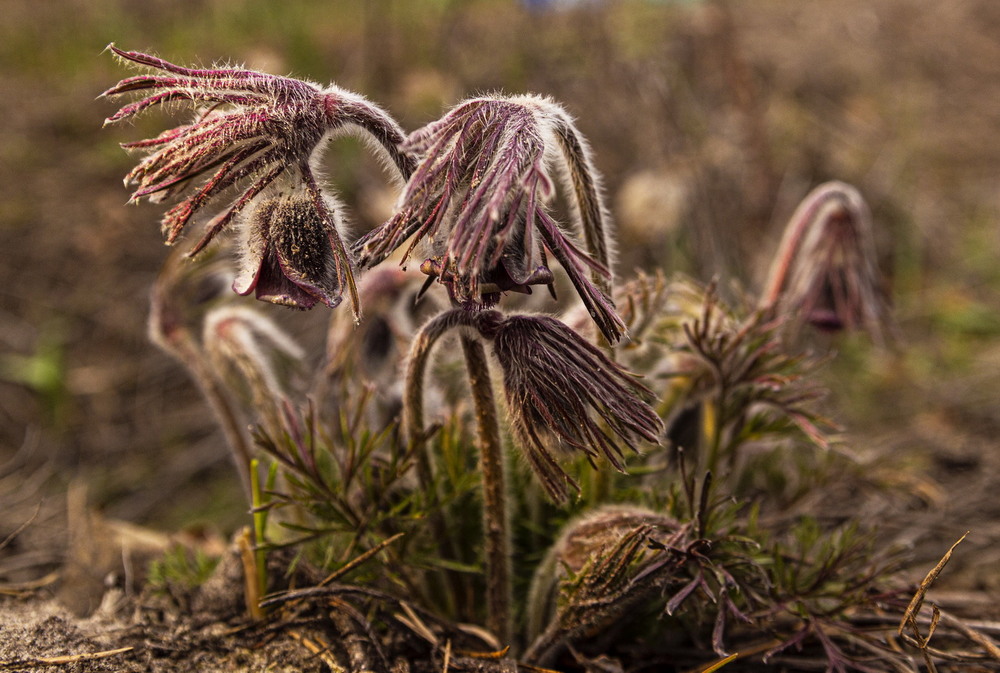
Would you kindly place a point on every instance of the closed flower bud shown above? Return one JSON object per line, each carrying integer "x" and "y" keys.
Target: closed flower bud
{"x": 825, "y": 272}
{"x": 581, "y": 541}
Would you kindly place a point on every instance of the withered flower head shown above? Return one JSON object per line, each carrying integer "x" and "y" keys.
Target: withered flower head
{"x": 825, "y": 272}
{"x": 563, "y": 391}
{"x": 253, "y": 131}
{"x": 479, "y": 198}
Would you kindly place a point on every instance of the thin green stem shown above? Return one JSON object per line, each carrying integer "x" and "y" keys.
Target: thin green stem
{"x": 259, "y": 526}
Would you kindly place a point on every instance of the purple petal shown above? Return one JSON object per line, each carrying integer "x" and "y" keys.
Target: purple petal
{"x": 273, "y": 285}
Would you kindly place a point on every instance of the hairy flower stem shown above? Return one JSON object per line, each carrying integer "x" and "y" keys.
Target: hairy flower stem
{"x": 583, "y": 179}
{"x": 495, "y": 525}
{"x": 413, "y": 394}
{"x": 415, "y": 436}
{"x": 592, "y": 213}
{"x": 178, "y": 342}
{"x": 225, "y": 415}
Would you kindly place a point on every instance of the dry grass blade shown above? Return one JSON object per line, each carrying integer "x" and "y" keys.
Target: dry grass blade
{"x": 64, "y": 660}
{"x": 981, "y": 639}
{"x": 22, "y": 588}
{"x": 320, "y": 651}
{"x": 413, "y": 622}
{"x": 354, "y": 563}
{"x": 249, "y": 561}
{"x": 719, "y": 663}
{"x": 20, "y": 529}
{"x": 499, "y": 654}
{"x": 913, "y": 609}
{"x": 742, "y": 654}
{"x": 910, "y": 616}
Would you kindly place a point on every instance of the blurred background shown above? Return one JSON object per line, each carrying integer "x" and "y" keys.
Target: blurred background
{"x": 709, "y": 120}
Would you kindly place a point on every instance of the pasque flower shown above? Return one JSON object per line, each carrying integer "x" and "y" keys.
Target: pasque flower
{"x": 563, "y": 392}
{"x": 287, "y": 252}
{"x": 479, "y": 198}
{"x": 825, "y": 271}
{"x": 253, "y": 134}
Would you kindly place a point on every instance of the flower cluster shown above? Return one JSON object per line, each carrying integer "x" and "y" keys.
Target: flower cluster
{"x": 479, "y": 181}
{"x": 475, "y": 209}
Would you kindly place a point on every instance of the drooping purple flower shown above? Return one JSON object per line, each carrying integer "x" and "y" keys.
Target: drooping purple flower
{"x": 563, "y": 391}
{"x": 825, "y": 272}
{"x": 288, "y": 254}
{"x": 254, "y": 133}
{"x": 479, "y": 198}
